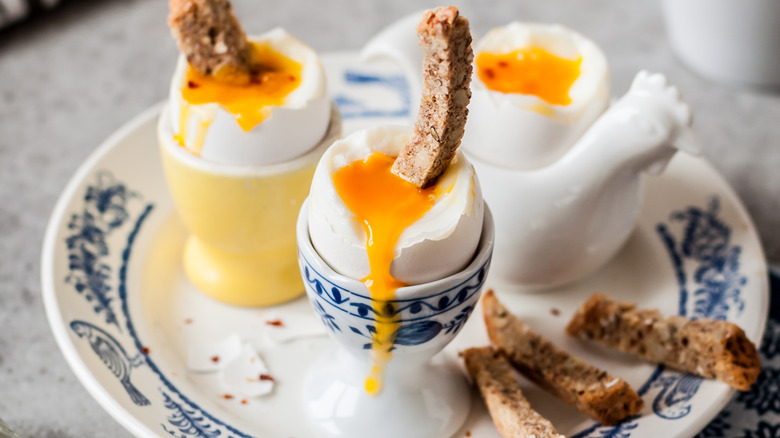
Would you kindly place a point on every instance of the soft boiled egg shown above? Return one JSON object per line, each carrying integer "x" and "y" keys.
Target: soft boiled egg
{"x": 371, "y": 225}
{"x": 440, "y": 242}
{"x": 256, "y": 123}
{"x": 537, "y": 88}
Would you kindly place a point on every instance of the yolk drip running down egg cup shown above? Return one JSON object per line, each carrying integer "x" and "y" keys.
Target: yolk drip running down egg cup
{"x": 239, "y": 171}
{"x": 347, "y": 392}
{"x": 418, "y": 399}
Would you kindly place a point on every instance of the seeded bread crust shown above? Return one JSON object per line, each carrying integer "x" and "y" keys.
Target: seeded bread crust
{"x": 211, "y": 38}
{"x": 596, "y": 393}
{"x": 511, "y": 412}
{"x": 709, "y": 348}
{"x": 445, "y": 40}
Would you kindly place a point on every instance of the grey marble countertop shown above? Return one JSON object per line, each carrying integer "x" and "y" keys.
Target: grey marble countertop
{"x": 71, "y": 76}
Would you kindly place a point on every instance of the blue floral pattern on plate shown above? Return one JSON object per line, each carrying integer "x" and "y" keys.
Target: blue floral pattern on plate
{"x": 185, "y": 422}
{"x": 113, "y": 356}
{"x": 104, "y": 211}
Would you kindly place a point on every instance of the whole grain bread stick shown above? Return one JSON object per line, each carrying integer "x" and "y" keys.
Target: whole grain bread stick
{"x": 596, "y": 393}
{"x": 709, "y": 348}
{"x": 445, "y": 40}
{"x": 211, "y": 38}
{"x": 511, "y": 412}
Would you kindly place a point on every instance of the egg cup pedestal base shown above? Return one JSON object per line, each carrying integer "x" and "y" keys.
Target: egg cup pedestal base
{"x": 418, "y": 400}
{"x": 251, "y": 280}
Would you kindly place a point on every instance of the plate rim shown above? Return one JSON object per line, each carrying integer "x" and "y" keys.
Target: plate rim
{"x": 49, "y": 294}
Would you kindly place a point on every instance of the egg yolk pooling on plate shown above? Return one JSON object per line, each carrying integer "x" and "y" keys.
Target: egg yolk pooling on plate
{"x": 386, "y": 205}
{"x": 531, "y": 70}
{"x": 249, "y": 102}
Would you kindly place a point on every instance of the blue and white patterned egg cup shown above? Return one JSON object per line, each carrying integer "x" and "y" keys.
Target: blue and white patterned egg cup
{"x": 418, "y": 399}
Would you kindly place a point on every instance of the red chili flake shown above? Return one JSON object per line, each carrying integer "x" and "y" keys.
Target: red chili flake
{"x": 468, "y": 433}
{"x": 555, "y": 312}
{"x": 490, "y": 73}
{"x": 192, "y": 84}
{"x": 227, "y": 396}
{"x": 244, "y": 401}
{"x": 145, "y": 350}
{"x": 291, "y": 78}
{"x": 266, "y": 377}
{"x": 503, "y": 64}
{"x": 215, "y": 359}
{"x": 188, "y": 321}
{"x": 275, "y": 323}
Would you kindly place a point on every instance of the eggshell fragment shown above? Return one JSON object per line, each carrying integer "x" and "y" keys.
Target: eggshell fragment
{"x": 247, "y": 374}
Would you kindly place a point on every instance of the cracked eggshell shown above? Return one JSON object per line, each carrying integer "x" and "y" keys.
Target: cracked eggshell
{"x": 437, "y": 245}
{"x": 520, "y": 131}
{"x": 291, "y": 130}
{"x": 242, "y": 374}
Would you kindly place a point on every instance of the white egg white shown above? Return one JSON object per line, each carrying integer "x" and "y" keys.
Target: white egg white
{"x": 292, "y": 128}
{"x": 522, "y": 131}
{"x": 437, "y": 245}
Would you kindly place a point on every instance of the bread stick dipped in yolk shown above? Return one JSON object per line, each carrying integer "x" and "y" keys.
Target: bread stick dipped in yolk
{"x": 249, "y": 102}
{"x": 388, "y": 194}
{"x": 225, "y": 68}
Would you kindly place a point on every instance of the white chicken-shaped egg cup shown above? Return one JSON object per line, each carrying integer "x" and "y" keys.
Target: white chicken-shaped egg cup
{"x": 565, "y": 185}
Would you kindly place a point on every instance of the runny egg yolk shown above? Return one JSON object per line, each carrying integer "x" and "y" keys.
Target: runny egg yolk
{"x": 248, "y": 102}
{"x": 386, "y": 205}
{"x": 531, "y": 70}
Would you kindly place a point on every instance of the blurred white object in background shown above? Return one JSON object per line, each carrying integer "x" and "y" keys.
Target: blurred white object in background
{"x": 15, "y": 10}
{"x": 732, "y": 41}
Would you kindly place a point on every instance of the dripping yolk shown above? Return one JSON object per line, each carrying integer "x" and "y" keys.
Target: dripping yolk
{"x": 531, "y": 70}
{"x": 277, "y": 77}
{"x": 386, "y": 205}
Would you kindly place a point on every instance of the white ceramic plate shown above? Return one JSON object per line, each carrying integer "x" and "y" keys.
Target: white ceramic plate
{"x": 125, "y": 316}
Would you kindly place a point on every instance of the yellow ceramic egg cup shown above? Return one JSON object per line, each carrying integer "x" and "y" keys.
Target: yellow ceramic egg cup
{"x": 242, "y": 247}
